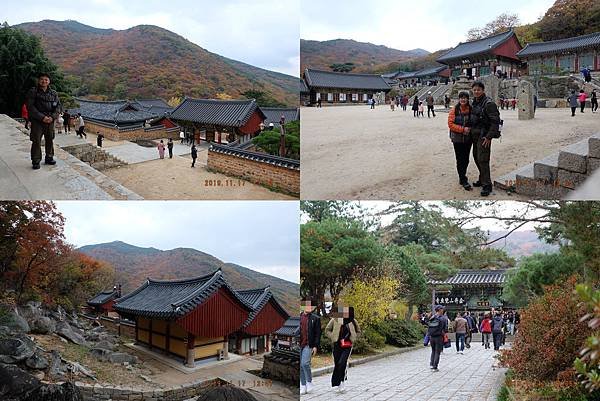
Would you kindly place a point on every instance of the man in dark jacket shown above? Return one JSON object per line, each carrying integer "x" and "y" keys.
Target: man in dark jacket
{"x": 437, "y": 327}
{"x": 485, "y": 128}
{"x": 43, "y": 105}
{"x": 194, "y": 155}
{"x": 497, "y": 330}
{"x": 310, "y": 338}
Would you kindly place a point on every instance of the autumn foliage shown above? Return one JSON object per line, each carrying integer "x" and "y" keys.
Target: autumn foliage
{"x": 550, "y": 335}
{"x": 37, "y": 264}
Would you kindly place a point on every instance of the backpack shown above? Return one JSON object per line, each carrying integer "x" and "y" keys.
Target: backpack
{"x": 481, "y": 111}
{"x": 435, "y": 327}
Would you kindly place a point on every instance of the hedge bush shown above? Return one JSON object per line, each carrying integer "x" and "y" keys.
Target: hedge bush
{"x": 369, "y": 340}
{"x": 401, "y": 333}
{"x": 550, "y": 334}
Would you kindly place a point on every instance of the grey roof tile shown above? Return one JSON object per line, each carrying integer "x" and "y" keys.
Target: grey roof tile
{"x": 258, "y": 298}
{"x": 476, "y": 47}
{"x": 230, "y": 113}
{"x": 473, "y": 277}
{"x": 103, "y": 297}
{"x": 274, "y": 114}
{"x": 120, "y": 112}
{"x": 290, "y": 328}
{"x": 556, "y": 46}
{"x": 171, "y": 299}
{"x": 330, "y": 79}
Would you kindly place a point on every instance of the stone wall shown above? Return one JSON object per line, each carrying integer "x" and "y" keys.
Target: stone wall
{"x": 94, "y": 156}
{"x": 96, "y": 392}
{"x": 113, "y": 325}
{"x": 115, "y": 134}
{"x": 270, "y": 175}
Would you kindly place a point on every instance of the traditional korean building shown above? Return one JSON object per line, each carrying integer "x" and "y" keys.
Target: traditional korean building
{"x": 336, "y": 87}
{"x": 425, "y": 76}
{"x": 485, "y": 56}
{"x": 127, "y": 120}
{"x": 304, "y": 93}
{"x": 223, "y": 121}
{"x": 473, "y": 290}
{"x": 267, "y": 316}
{"x": 190, "y": 319}
{"x": 273, "y": 114}
{"x": 288, "y": 336}
{"x": 103, "y": 302}
{"x": 567, "y": 55}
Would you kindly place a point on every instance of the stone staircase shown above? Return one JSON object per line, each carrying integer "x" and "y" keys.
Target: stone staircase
{"x": 93, "y": 155}
{"x": 557, "y": 175}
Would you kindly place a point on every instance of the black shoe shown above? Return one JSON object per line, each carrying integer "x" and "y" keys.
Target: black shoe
{"x": 477, "y": 184}
{"x": 486, "y": 191}
{"x": 465, "y": 184}
{"x": 36, "y": 166}
{"x": 50, "y": 161}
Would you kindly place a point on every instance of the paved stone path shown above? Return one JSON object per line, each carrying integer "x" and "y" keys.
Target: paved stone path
{"x": 474, "y": 376}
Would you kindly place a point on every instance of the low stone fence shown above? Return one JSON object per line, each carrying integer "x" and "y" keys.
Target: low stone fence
{"x": 275, "y": 172}
{"x": 132, "y": 133}
{"x": 117, "y": 326}
{"x": 96, "y": 392}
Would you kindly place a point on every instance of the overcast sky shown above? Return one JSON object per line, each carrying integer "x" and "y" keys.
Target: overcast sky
{"x": 262, "y": 236}
{"x": 263, "y": 33}
{"x": 405, "y": 25}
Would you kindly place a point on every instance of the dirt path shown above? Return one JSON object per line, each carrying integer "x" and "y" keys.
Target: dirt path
{"x": 357, "y": 153}
{"x": 174, "y": 179}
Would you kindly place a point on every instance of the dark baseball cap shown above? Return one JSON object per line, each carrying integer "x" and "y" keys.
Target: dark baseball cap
{"x": 438, "y": 307}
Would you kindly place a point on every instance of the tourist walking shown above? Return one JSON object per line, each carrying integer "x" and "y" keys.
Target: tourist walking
{"x": 43, "y": 106}
{"x": 421, "y": 109}
{"x": 170, "y": 147}
{"x": 25, "y": 115}
{"x": 429, "y": 101}
{"x": 572, "y": 99}
{"x": 80, "y": 126}
{"x": 161, "y": 149}
{"x": 415, "y": 107}
{"x": 497, "y": 330}
{"x": 99, "y": 139}
{"x": 405, "y": 102}
{"x": 58, "y": 123}
{"x": 486, "y": 126}
{"x": 486, "y": 330}
{"x": 459, "y": 122}
{"x": 582, "y": 98}
{"x": 194, "y": 155}
{"x": 594, "y": 100}
{"x": 472, "y": 328}
{"x": 182, "y": 136}
{"x": 461, "y": 326}
{"x": 319, "y": 105}
{"x": 437, "y": 327}
{"x": 67, "y": 121}
{"x": 310, "y": 338}
{"x": 342, "y": 331}
{"x": 372, "y": 103}
{"x": 446, "y": 101}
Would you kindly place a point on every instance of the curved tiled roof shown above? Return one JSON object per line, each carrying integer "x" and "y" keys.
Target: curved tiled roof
{"x": 474, "y": 277}
{"x": 258, "y": 298}
{"x": 290, "y": 328}
{"x": 171, "y": 299}
{"x": 556, "y": 46}
{"x": 230, "y": 113}
{"x": 103, "y": 297}
{"x": 256, "y": 156}
{"x": 120, "y": 112}
{"x": 273, "y": 114}
{"x": 303, "y": 87}
{"x": 330, "y": 79}
{"x": 476, "y": 47}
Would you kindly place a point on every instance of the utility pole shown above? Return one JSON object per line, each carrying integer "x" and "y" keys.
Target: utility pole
{"x": 282, "y": 136}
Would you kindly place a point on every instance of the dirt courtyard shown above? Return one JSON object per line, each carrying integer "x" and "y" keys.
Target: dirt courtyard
{"x": 352, "y": 152}
{"x": 175, "y": 179}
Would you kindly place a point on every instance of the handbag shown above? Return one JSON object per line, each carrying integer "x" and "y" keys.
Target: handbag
{"x": 426, "y": 340}
{"x": 447, "y": 342}
{"x": 344, "y": 343}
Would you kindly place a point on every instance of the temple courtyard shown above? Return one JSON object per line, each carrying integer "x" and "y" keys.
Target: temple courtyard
{"x": 352, "y": 152}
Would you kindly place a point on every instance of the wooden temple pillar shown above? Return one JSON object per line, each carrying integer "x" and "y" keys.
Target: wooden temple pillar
{"x": 268, "y": 343}
{"x": 189, "y": 361}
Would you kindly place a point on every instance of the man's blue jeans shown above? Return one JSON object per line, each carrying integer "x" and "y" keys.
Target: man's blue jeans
{"x": 460, "y": 338}
{"x": 305, "y": 374}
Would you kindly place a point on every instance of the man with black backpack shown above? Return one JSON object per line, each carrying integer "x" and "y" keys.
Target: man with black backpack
{"x": 437, "y": 327}
{"x": 485, "y": 128}
{"x": 497, "y": 330}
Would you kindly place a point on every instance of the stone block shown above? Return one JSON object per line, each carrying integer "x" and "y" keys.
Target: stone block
{"x": 525, "y": 105}
{"x": 593, "y": 165}
{"x": 594, "y": 146}
{"x": 570, "y": 179}
{"x": 547, "y": 190}
{"x": 574, "y": 157}
{"x": 547, "y": 168}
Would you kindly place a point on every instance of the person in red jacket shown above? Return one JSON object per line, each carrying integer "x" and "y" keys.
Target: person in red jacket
{"x": 486, "y": 330}
{"x": 460, "y": 121}
{"x": 25, "y": 115}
